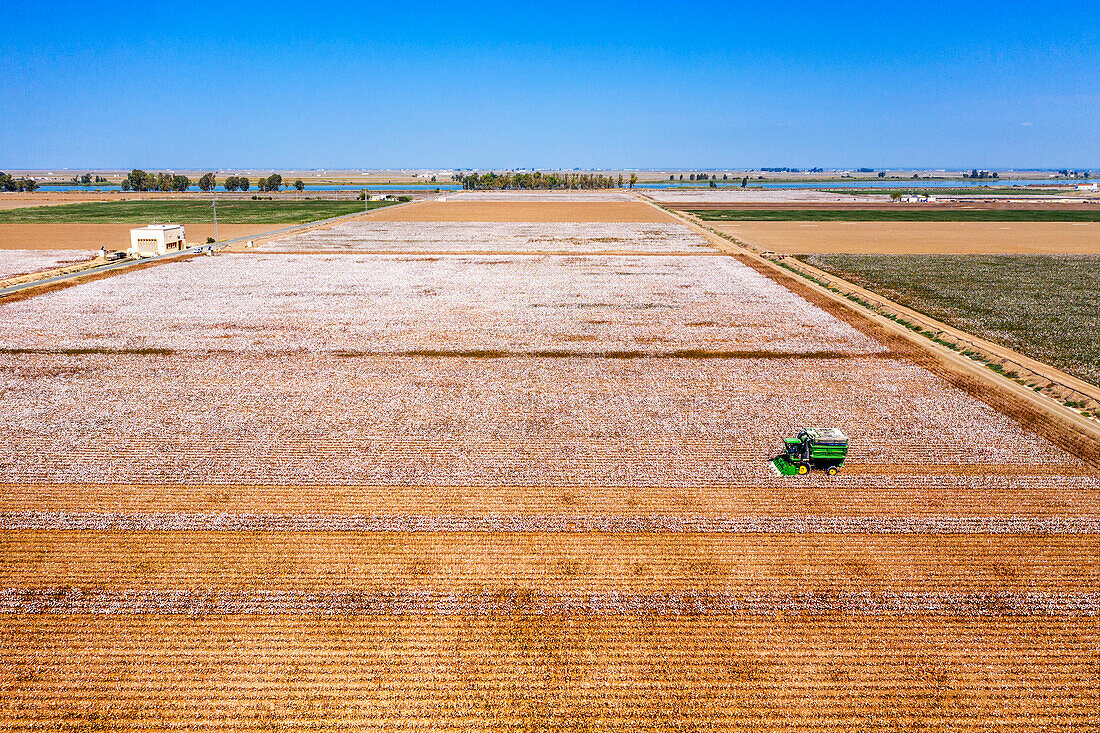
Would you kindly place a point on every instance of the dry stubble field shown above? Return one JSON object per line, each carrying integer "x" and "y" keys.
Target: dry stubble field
{"x": 352, "y": 480}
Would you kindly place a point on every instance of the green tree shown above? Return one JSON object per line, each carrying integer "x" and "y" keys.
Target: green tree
{"x": 298, "y": 185}
{"x": 136, "y": 180}
{"x": 180, "y": 183}
{"x": 243, "y": 183}
{"x": 231, "y": 183}
{"x": 633, "y": 179}
{"x": 207, "y": 182}
{"x": 274, "y": 182}
{"x": 620, "y": 180}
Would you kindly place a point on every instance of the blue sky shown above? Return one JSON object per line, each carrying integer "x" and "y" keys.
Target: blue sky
{"x": 562, "y": 84}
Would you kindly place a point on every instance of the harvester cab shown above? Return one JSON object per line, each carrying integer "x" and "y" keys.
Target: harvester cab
{"x": 813, "y": 448}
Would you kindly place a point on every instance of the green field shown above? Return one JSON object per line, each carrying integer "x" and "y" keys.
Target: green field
{"x": 185, "y": 212}
{"x": 896, "y": 215}
{"x": 1047, "y": 307}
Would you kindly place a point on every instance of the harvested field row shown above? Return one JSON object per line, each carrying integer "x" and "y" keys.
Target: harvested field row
{"x": 167, "y": 521}
{"x": 20, "y": 262}
{"x": 293, "y": 419}
{"x": 707, "y": 506}
{"x": 525, "y": 211}
{"x": 68, "y": 601}
{"x": 782, "y": 670}
{"x": 396, "y": 305}
{"x": 917, "y": 237}
{"x": 563, "y": 567}
{"x": 489, "y": 237}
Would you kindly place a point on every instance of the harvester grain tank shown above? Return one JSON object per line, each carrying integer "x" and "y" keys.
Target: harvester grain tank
{"x": 813, "y": 449}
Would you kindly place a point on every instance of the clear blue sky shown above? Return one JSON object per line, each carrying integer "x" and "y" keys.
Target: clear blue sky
{"x": 556, "y": 84}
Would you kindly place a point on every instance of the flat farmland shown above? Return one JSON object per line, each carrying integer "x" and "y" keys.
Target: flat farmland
{"x": 1045, "y": 306}
{"x": 111, "y": 236}
{"x": 583, "y": 210}
{"x": 187, "y": 211}
{"x": 511, "y": 474}
{"x": 790, "y": 237}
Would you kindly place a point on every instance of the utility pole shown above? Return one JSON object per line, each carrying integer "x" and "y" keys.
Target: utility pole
{"x": 214, "y": 205}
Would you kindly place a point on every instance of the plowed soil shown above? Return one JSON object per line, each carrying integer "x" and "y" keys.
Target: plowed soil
{"x": 788, "y": 670}
{"x": 917, "y": 237}
{"x": 560, "y": 563}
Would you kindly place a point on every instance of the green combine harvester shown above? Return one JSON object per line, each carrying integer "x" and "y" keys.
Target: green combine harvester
{"x": 812, "y": 449}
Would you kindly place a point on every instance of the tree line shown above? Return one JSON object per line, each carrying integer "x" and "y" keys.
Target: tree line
{"x": 139, "y": 180}
{"x": 7, "y": 183}
{"x": 86, "y": 179}
{"x": 540, "y": 181}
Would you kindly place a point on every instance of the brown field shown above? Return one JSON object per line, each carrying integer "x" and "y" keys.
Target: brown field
{"x": 792, "y": 237}
{"x": 111, "y": 236}
{"x": 520, "y": 211}
{"x": 23, "y": 200}
{"x": 303, "y": 488}
{"x": 569, "y": 564}
{"x": 512, "y": 672}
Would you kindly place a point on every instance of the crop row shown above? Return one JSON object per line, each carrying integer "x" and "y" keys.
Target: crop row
{"x": 781, "y": 671}
{"x": 528, "y": 601}
{"x": 564, "y": 237}
{"x": 556, "y": 567}
{"x": 677, "y": 525}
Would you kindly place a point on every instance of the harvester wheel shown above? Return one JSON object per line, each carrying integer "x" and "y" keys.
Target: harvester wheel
{"x": 833, "y": 470}
{"x": 803, "y": 469}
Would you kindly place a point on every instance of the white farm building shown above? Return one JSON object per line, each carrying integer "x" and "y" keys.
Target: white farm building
{"x": 156, "y": 239}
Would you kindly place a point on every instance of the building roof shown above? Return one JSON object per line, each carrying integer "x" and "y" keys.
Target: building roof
{"x": 157, "y": 228}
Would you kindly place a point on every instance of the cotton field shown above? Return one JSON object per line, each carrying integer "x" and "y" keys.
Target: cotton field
{"x": 401, "y": 304}
{"x": 501, "y": 476}
{"x": 290, "y": 419}
{"x": 22, "y": 261}
{"x": 495, "y": 237}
